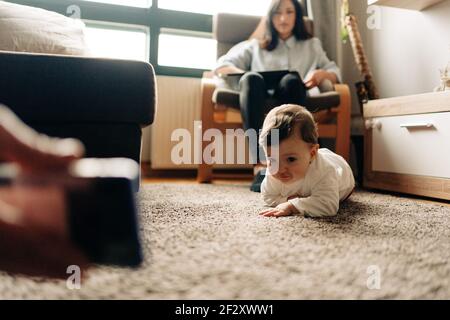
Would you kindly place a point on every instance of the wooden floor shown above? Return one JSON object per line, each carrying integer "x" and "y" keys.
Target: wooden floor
{"x": 221, "y": 181}
{"x": 227, "y": 178}
{"x": 190, "y": 176}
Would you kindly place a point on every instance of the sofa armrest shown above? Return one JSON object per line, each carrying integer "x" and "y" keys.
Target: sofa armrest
{"x": 44, "y": 88}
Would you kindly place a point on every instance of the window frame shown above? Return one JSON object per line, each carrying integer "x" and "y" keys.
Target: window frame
{"x": 154, "y": 18}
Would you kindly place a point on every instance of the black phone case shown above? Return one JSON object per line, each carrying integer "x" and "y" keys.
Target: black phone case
{"x": 102, "y": 212}
{"x": 103, "y": 222}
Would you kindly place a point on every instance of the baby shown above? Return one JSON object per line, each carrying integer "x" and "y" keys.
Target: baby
{"x": 301, "y": 178}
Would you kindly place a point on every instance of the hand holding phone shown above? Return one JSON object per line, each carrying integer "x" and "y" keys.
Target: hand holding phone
{"x": 34, "y": 239}
{"x": 54, "y": 210}
{"x": 91, "y": 206}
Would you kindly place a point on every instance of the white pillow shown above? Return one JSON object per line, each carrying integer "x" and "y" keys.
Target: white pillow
{"x": 29, "y": 29}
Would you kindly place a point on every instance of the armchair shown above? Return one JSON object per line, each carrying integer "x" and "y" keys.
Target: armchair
{"x": 220, "y": 107}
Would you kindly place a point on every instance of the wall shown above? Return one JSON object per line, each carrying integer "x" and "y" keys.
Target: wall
{"x": 409, "y": 49}
{"x": 405, "y": 53}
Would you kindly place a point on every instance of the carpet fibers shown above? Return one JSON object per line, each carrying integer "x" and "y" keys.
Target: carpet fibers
{"x": 208, "y": 242}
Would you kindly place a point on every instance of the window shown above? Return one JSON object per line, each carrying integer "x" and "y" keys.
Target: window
{"x": 130, "y": 3}
{"x": 186, "y": 50}
{"x": 251, "y": 7}
{"x": 173, "y": 35}
{"x": 117, "y": 41}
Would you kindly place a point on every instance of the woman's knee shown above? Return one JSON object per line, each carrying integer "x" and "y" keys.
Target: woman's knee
{"x": 291, "y": 81}
{"x": 251, "y": 79}
{"x": 291, "y": 89}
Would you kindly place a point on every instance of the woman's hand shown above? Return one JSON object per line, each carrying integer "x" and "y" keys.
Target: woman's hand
{"x": 228, "y": 70}
{"x": 318, "y": 76}
{"x": 282, "y": 210}
{"x": 294, "y": 196}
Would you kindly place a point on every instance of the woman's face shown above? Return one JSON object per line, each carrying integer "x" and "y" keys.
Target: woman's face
{"x": 284, "y": 19}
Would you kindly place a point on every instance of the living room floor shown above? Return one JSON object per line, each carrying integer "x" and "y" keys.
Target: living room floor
{"x": 207, "y": 241}
{"x": 246, "y": 178}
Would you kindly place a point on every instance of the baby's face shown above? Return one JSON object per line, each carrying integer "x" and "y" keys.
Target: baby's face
{"x": 294, "y": 159}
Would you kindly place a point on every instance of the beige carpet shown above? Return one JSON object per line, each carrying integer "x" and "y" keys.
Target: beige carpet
{"x": 208, "y": 242}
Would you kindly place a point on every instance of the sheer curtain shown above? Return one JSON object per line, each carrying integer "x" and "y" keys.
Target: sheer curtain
{"x": 325, "y": 14}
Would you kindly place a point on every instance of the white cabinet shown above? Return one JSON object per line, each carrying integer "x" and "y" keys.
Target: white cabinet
{"x": 405, "y": 4}
{"x": 407, "y": 144}
{"x": 413, "y": 144}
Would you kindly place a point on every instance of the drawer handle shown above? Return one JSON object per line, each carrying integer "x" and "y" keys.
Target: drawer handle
{"x": 416, "y": 125}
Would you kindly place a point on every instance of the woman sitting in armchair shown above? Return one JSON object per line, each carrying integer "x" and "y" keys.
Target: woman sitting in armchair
{"x": 286, "y": 45}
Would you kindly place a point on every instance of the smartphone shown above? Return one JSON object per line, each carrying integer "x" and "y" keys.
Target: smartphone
{"x": 101, "y": 212}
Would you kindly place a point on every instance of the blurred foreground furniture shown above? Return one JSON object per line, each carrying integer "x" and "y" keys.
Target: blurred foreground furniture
{"x": 105, "y": 103}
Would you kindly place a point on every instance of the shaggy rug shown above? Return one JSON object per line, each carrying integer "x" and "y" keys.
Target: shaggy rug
{"x": 208, "y": 242}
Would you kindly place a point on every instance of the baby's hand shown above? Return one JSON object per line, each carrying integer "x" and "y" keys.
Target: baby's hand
{"x": 284, "y": 209}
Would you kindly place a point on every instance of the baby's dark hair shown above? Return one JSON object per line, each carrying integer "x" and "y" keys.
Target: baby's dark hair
{"x": 289, "y": 119}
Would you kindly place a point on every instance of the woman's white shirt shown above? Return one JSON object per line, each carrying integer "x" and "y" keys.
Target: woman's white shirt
{"x": 303, "y": 56}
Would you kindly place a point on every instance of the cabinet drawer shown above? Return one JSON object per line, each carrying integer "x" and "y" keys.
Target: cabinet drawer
{"x": 412, "y": 144}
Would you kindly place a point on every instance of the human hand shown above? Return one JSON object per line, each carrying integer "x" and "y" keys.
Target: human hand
{"x": 34, "y": 232}
{"x": 33, "y": 252}
{"x": 227, "y": 70}
{"x": 34, "y": 239}
{"x": 283, "y": 209}
{"x": 317, "y": 77}
{"x": 294, "y": 196}
{"x": 34, "y": 152}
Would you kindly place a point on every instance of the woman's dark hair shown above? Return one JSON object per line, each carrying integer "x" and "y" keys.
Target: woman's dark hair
{"x": 271, "y": 39}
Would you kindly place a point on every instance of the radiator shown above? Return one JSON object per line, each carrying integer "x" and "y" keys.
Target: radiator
{"x": 178, "y": 106}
